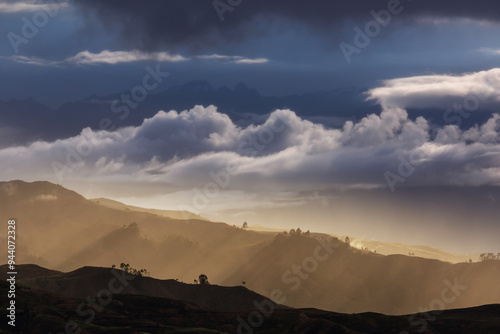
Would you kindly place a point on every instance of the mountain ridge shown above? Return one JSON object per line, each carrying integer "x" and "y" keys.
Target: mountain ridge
{"x": 88, "y": 281}
{"x": 125, "y": 313}
{"x": 69, "y": 231}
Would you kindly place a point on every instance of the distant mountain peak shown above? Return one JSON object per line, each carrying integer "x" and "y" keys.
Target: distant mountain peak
{"x": 242, "y": 88}
{"x": 197, "y": 85}
{"x": 37, "y": 190}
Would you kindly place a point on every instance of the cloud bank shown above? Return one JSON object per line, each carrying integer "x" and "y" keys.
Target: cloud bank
{"x": 283, "y": 157}
{"x": 286, "y": 153}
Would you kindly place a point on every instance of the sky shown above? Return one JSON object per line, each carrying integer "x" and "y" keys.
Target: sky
{"x": 285, "y": 47}
{"x": 284, "y": 170}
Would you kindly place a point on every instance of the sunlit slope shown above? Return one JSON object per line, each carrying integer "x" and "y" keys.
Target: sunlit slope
{"x": 345, "y": 279}
{"x": 64, "y": 231}
{"x": 61, "y": 229}
{"x": 165, "y": 213}
{"x": 388, "y": 248}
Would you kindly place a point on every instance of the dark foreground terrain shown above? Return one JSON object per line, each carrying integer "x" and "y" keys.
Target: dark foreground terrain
{"x": 135, "y": 310}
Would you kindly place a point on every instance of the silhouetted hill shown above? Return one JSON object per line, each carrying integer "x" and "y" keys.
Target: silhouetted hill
{"x": 45, "y": 312}
{"x": 88, "y": 281}
{"x": 29, "y": 271}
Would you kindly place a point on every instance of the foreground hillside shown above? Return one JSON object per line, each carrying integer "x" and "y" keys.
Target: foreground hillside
{"x": 41, "y": 311}
{"x": 88, "y": 281}
{"x": 59, "y": 229}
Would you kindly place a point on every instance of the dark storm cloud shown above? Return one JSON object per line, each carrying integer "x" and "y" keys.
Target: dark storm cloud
{"x": 196, "y": 23}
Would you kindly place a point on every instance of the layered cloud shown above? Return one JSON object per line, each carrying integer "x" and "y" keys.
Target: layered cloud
{"x": 29, "y": 6}
{"x": 440, "y": 90}
{"x": 235, "y": 59}
{"x": 103, "y": 57}
{"x": 116, "y": 57}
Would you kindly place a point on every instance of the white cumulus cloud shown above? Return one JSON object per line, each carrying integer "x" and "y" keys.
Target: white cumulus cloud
{"x": 285, "y": 152}
{"x": 439, "y": 90}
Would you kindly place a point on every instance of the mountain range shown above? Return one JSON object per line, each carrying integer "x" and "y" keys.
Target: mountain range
{"x": 62, "y": 230}
{"x": 25, "y": 121}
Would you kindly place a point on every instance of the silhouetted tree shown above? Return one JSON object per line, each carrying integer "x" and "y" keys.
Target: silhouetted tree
{"x": 125, "y": 267}
{"x": 347, "y": 240}
{"x": 203, "y": 279}
{"x": 131, "y": 226}
{"x": 487, "y": 256}
{"x": 245, "y": 225}
{"x": 132, "y": 271}
{"x": 143, "y": 272}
